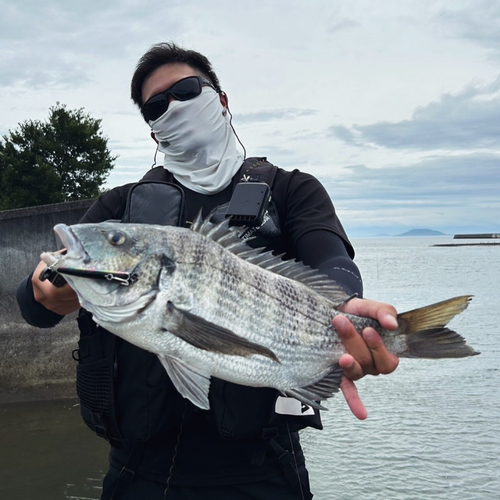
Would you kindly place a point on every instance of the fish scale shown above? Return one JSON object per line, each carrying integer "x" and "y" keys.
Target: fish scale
{"x": 209, "y": 305}
{"x": 288, "y": 309}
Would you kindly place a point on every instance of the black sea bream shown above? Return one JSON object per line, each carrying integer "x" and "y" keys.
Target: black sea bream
{"x": 209, "y": 305}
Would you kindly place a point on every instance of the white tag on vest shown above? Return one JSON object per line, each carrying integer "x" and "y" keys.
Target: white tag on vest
{"x": 292, "y": 406}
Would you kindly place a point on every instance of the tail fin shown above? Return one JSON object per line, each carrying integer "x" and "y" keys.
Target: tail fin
{"x": 425, "y": 331}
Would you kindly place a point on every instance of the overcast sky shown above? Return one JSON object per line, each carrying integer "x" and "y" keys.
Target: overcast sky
{"x": 393, "y": 105}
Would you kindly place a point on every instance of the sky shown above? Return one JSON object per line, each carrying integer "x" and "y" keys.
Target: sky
{"x": 394, "y": 106}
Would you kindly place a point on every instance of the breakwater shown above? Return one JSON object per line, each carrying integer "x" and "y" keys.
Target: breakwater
{"x": 485, "y": 236}
{"x": 495, "y": 243}
{"x": 34, "y": 363}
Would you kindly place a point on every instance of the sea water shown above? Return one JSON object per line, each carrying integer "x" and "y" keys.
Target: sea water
{"x": 433, "y": 429}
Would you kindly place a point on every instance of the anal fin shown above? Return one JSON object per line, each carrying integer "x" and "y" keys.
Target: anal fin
{"x": 323, "y": 389}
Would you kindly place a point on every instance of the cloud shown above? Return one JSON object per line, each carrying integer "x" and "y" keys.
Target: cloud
{"x": 345, "y": 134}
{"x": 342, "y": 25}
{"x": 467, "y": 119}
{"x": 430, "y": 193}
{"x": 57, "y": 43}
{"x": 462, "y": 177}
{"x": 363, "y": 68}
{"x": 273, "y": 114}
{"x": 479, "y": 22}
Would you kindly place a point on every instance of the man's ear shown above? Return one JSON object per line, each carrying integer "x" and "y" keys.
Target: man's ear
{"x": 154, "y": 138}
{"x": 224, "y": 99}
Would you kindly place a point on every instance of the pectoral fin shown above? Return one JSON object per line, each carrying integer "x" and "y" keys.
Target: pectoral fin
{"x": 207, "y": 336}
{"x": 190, "y": 384}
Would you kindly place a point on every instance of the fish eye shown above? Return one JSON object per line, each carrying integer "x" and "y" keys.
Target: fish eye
{"x": 117, "y": 238}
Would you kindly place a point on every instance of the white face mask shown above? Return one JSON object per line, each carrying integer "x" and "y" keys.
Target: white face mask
{"x": 198, "y": 143}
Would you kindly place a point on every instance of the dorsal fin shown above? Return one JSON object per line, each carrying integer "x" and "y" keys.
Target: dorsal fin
{"x": 198, "y": 221}
{"x": 228, "y": 237}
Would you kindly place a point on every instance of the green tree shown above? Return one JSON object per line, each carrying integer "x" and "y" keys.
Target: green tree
{"x": 63, "y": 159}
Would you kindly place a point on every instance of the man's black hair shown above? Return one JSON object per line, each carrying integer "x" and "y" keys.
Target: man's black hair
{"x": 169, "y": 53}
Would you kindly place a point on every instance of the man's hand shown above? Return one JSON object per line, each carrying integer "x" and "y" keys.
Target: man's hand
{"x": 59, "y": 300}
{"x": 367, "y": 354}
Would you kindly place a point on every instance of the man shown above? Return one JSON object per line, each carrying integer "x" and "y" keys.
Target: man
{"x": 161, "y": 445}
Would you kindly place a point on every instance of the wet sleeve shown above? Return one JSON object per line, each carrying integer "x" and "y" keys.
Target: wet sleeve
{"x": 326, "y": 251}
{"x": 316, "y": 233}
{"x": 308, "y": 207}
{"x": 32, "y": 311}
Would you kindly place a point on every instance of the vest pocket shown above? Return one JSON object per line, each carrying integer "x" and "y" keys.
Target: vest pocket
{"x": 95, "y": 388}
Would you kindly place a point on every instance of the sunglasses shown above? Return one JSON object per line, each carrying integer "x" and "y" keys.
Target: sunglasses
{"x": 183, "y": 90}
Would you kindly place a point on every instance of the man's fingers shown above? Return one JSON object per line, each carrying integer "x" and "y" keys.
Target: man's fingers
{"x": 353, "y": 401}
{"x": 369, "y": 351}
{"x": 385, "y": 314}
{"x": 366, "y": 353}
{"x": 61, "y": 300}
{"x": 385, "y": 362}
{"x": 356, "y": 346}
{"x": 351, "y": 368}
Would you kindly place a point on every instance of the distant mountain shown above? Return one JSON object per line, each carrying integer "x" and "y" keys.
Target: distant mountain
{"x": 422, "y": 232}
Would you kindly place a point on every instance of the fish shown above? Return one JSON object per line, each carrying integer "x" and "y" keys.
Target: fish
{"x": 209, "y": 305}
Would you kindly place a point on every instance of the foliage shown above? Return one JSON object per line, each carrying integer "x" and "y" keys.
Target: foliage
{"x": 63, "y": 159}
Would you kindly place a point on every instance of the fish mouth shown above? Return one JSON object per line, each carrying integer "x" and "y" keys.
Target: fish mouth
{"x": 74, "y": 248}
{"x": 75, "y": 260}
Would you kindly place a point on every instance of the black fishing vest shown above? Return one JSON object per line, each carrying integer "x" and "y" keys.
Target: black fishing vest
{"x": 125, "y": 392}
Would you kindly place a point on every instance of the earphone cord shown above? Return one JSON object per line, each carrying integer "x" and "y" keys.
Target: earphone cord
{"x": 154, "y": 158}
{"x": 175, "y": 451}
{"x": 234, "y": 131}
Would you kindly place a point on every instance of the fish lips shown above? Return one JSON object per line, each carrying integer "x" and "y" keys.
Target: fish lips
{"x": 74, "y": 248}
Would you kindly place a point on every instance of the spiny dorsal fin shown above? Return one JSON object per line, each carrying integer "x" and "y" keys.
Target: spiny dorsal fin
{"x": 198, "y": 221}
{"x": 229, "y": 238}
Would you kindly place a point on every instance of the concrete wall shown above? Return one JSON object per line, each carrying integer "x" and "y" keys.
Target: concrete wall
{"x": 34, "y": 363}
